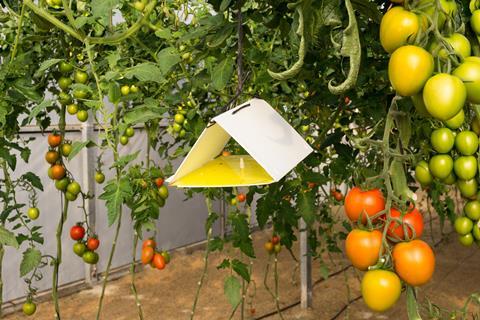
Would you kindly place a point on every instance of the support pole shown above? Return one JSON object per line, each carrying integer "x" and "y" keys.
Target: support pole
{"x": 305, "y": 268}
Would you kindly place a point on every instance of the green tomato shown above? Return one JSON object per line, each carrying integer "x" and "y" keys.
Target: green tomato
{"x": 457, "y": 121}
{"x": 65, "y": 67}
{"x": 463, "y": 225}
{"x": 475, "y": 21}
{"x": 82, "y": 115}
{"x": 177, "y": 127}
{"x": 66, "y": 149}
{"x": 129, "y": 132}
{"x": 468, "y": 188}
{"x": 80, "y": 77}
{"x": 33, "y": 213}
{"x": 163, "y": 191}
{"x": 123, "y": 140}
{"x": 451, "y": 179}
{"x": 134, "y": 89}
{"x": 70, "y": 196}
{"x": 29, "y": 308}
{"x": 466, "y": 240}
{"x": 139, "y": 5}
{"x": 62, "y": 184}
{"x": 472, "y": 209}
{"x": 475, "y": 125}
{"x": 441, "y": 165}
{"x": 422, "y": 173}
{"x": 90, "y": 257}
{"x": 466, "y": 143}
{"x": 72, "y": 109}
{"x": 125, "y": 90}
{"x": 99, "y": 177}
{"x": 74, "y": 187}
{"x": 465, "y": 167}
{"x": 79, "y": 248}
{"x": 444, "y": 96}
{"x": 64, "y": 83}
{"x": 476, "y": 231}
{"x": 64, "y": 98}
{"x": 182, "y": 133}
{"x": 469, "y": 73}
{"x": 442, "y": 140}
{"x": 166, "y": 256}
{"x": 80, "y": 94}
{"x": 179, "y": 118}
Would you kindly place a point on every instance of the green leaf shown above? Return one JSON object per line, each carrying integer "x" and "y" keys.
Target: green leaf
{"x": 404, "y": 127}
{"x": 31, "y": 259}
{"x": 167, "y": 58}
{"x": 123, "y": 161}
{"x": 163, "y": 34}
{"x": 145, "y": 72}
{"x": 115, "y": 193}
{"x": 77, "y": 146}
{"x": 306, "y": 207}
{"x": 7, "y": 238}
{"x": 114, "y": 93}
{"x": 38, "y": 108}
{"x": 142, "y": 114}
{"x": 25, "y": 88}
{"x": 241, "y": 269}
{"x": 11, "y": 159}
{"x": 412, "y": 306}
{"x": 232, "y": 289}
{"x": 102, "y": 8}
{"x": 33, "y": 179}
{"x": 368, "y": 9}
{"x": 399, "y": 180}
{"x": 45, "y": 65}
{"x": 224, "y": 5}
{"x": 221, "y": 36}
{"x": 222, "y": 73}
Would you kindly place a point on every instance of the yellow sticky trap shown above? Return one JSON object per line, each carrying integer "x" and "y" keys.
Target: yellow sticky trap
{"x": 236, "y": 170}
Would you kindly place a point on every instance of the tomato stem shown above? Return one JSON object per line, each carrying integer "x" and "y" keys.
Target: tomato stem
{"x": 132, "y": 274}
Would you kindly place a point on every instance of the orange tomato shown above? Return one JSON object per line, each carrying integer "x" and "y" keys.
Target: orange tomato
{"x": 51, "y": 156}
{"x": 359, "y": 203}
{"x": 158, "y": 261}
{"x": 147, "y": 255}
{"x": 58, "y": 171}
{"x": 414, "y": 262}
{"x": 412, "y": 219}
{"x": 363, "y": 247}
{"x": 54, "y": 140}
{"x": 149, "y": 243}
{"x": 241, "y": 197}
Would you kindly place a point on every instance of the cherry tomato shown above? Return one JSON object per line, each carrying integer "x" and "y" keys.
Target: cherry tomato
{"x": 463, "y": 225}
{"x": 466, "y": 143}
{"x": 72, "y": 109}
{"x": 241, "y": 197}
{"x": 465, "y": 167}
{"x": 159, "y": 182}
{"x": 381, "y": 289}
{"x": 66, "y": 148}
{"x": 472, "y": 209}
{"x": 414, "y": 262}
{"x": 226, "y": 153}
{"x": 398, "y": 26}
{"x": 54, "y": 140}
{"x": 442, "y": 140}
{"x": 359, "y": 202}
{"x": 363, "y": 247}
{"x": 90, "y": 257}
{"x": 158, "y": 261}
{"x": 33, "y": 213}
{"x": 79, "y": 248}
{"x": 409, "y": 69}
{"x": 80, "y": 77}
{"x": 268, "y": 246}
{"x": 444, "y": 96}
{"x": 52, "y": 156}
{"x": 58, "y": 171}
{"x": 123, "y": 140}
{"x": 411, "y": 220}
{"x": 99, "y": 177}
{"x": 163, "y": 191}
{"x": 77, "y": 232}
{"x": 29, "y": 308}
{"x": 440, "y": 165}
{"x": 93, "y": 243}
{"x": 74, "y": 187}
{"x": 422, "y": 173}
{"x": 147, "y": 255}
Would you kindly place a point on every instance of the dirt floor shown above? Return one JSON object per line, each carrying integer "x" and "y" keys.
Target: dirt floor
{"x": 169, "y": 294}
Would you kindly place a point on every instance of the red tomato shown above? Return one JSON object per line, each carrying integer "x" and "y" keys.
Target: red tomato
{"x": 275, "y": 239}
{"x": 358, "y": 203}
{"x": 241, "y": 197}
{"x": 412, "y": 219}
{"x": 158, "y": 261}
{"x": 147, "y": 255}
{"x": 149, "y": 243}
{"x": 159, "y": 182}
{"x": 93, "y": 243}
{"x": 77, "y": 232}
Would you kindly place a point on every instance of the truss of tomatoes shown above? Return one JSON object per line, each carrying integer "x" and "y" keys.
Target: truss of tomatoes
{"x": 156, "y": 258}
{"x": 413, "y": 260}
{"x": 85, "y": 246}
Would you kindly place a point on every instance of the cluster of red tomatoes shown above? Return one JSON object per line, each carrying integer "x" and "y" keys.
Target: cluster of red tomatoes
{"x": 156, "y": 258}
{"x": 84, "y": 247}
{"x": 273, "y": 245}
{"x": 73, "y": 98}
{"x": 411, "y": 260}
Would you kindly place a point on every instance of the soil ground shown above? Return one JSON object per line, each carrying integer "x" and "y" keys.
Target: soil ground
{"x": 169, "y": 294}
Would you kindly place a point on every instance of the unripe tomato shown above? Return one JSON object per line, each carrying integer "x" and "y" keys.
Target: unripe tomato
{"x": 475, "y": 21}
{"x": 398, "y": 26}
{"x": 359, "y": 202}
{"x": 62, "y": 184}
{"x": 179, "y": 118}
{"x": 414, "y": 262}
{"x": 82, "y": 115}
{"x": 158, "y": 261}
{"x": 70, "y": 196}
{"x": 149, "y": 243}
{"x": 80, "y": 94}
{"x": 241, "y": 197}
{"x": 33, "y": 213}
{"x": 268, "y": 246}
{"x": 176, "y": 127}
{"x": 79, "y": 248}
{"x": 460, "y": 44}
{"x": 134, "y": 89}
{"x": 80, "y": 77}
{"x": 451, "y": 179}
{"x": 465, "y": 167}
{"x": 466, "y": 239}
{"x": 99, "y": 177}
{"x": 472, "y": 209}
{"x": 457, "y": 120}
{"x": 129, "y": 132}
{"x": 469, "y": 73}
{"x": 64, "y": 83}
{"x": 93, "y": 243}
{"x": 409, "y": 69}
{"x": 182, "y": 133}
{"x": 64, "y": 98}
{"x": 124, "y": 140}
{"x": 74, "y": 187}
{"x": 163, "y": 191}
{"x": 125, "y": 90}
{"x": 58, "y": 171}
{"x": 77, "y": 232}
{"x": 147, "y": 255}
{"x": 54, "y": 140}
{"x": 475, "y": 125}
{"x": 466, "y": 143}
{"x": 65, "y": 67}
{"x": 440, "y": 165}
{"x": 233, "y": 201}
{"x": 363, "y": 247}
{"x": 444, "y": 96}
{"x": 29, "y": 308}
{"x": 411, "y": 220}
{"x": 90, "y": 257}
{"x": 442, "y": 140}
{"x": 50, "y": 173}
{"x": 52, "y": 156}
{"x": 476, "y": 231}
{"x": 72, "y": 109}
{"x": 422, "y": 173}
{"x": 66, "y": 148}
{"x": 380, "y": 289}
{"x": 277, "y": 248}
{"x": 419, "y": 105}
{"x": 468, "y": 188}
{"x": 448, "y": 8}
{"x": 463, "y": 225}
{"x": 166, "y": 256}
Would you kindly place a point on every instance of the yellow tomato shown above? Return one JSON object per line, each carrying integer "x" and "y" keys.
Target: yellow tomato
{"x": 398, "y": 26}
{"x": 380, "y": 289}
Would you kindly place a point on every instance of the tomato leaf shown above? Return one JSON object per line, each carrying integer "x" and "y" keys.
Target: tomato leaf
{"x": 31, "y": 259}
{"x": 368, "y": 9}
{"x": 241, "y": 269}
{"x": 147, "y": 71}
{"x": 7, "y": 238}
{"x": 222, "y": 73}
{"x": 38, "y": 108}
{"x": 167, "y": 58}
{"x": 306, "y": 207}
{"x": 123, "y": 161}
{"x": 77, "y": 146}
{"x": 33, "y": 179}
{"x": 232, "y": 289}
{"x": 45, "y": 65}
{"x": 115, "y": 193}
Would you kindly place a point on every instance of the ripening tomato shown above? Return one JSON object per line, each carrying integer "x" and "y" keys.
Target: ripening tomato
{"x": 466, "y": 143}
{"x": 147, "y": 255}
{"x": 448, "y": 8}
{"x": 398, "y": 26}
{"x": 149, "y": 243}
{"x": 52, "y": 156}
{"x": 442, "y": 140}
{"x": 465, "y": 167}
{"x": 77, "y": 232}
{"x": 90, "y": 257}
{"x": 275, "y": 239}
{"x": 459, "y": 43}
{"x": 93, "y": 243}
{"x": 158, "y": 261}
{"x": 414, "y": 262}
{"x": 359, "y": 202}
{"x": 469, "y": 73}
{"x": 409, "y": 69}
{"x": 159, "y": 182}
{"x": 66, "y": 148}
{"x": 54, "y": 140}
{"x": 412, "y": 220}
{"x": 472, "y": 209}
{"x": 58, "y": 171}
{"x": 268, "y": 246}
{"x": 381, "y": 289}
{"x": 444, "y": 96}
{"x": 363, "y": 247}
{"x": 422, "y": 173}
{"x": 440, "y": 165}
{"x": 468, "y": 188}
{"x": 456, "y": 121}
